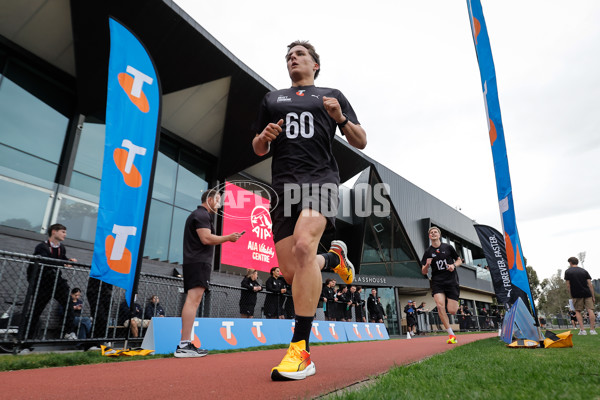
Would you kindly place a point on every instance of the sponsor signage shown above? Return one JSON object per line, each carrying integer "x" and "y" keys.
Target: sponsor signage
{"x": 132, "y": 126}
{"x": 163, "y": 334}
{"x": 244, "y": 210}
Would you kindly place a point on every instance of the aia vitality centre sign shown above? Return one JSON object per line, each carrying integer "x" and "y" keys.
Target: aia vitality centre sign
{"x": 246, "y": 211}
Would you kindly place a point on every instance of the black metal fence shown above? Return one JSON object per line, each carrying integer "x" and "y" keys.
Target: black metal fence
{"x": 37, "y": 307}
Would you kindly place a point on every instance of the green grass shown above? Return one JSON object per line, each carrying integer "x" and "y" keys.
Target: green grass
{"x": 487, "y": 369}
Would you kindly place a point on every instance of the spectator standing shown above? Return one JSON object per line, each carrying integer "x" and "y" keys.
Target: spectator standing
{"x": 468, "y": 320}
{"x": 80, "y": 326}
{"x": 411, "y": 318}
{"x": 154, "y": 309}
{"x": 251, "y": 287}
{"x": 372, "y": 306}
{"x": 422, "y": 322}
{"x": 579, "y": 284}
{"x": 199, "y": 241}
{"x": 276, "y": 287}
{"x": 42, "y": 287}
{"x": 328, "y": 298}
{"x": 359, "y": 309}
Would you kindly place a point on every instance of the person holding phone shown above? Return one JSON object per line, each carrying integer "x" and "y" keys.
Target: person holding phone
{"x": 199, "y": 241}
{"x": 443, "y": 261}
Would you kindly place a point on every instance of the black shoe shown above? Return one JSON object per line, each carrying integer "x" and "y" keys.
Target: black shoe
{"x": 189, "y": 351}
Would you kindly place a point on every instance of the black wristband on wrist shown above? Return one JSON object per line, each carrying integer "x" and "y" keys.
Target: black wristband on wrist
{"x": 343, "y": 124}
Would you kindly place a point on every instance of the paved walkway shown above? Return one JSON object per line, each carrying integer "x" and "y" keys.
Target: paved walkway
{"x": 223, "y": 376}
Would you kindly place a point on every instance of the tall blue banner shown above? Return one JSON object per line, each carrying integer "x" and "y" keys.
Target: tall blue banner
{"x": 132, "y": 127}
{"x": 514, "y": 252}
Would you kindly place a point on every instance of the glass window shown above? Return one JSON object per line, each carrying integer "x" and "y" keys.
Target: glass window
{"x": 382, "y": 229}
{"x": 19, "y": 165}
{"x": 400, "y": 248}
{"x": 158, "y": 231}
{"x": 90, "y": 152}
{"x": 30, "y": 125}
{"x": 165, "y": 177}
{"x": 78, "y": 211}
{"x": 85, "y": 183}
{"x": 24, "y": 206}
{"x": 370, "y": 249}
{"x": 191, "y": 182}
{"x": 176, "y": 243}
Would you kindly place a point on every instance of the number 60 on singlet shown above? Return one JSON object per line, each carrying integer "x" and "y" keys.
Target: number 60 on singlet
{"x": 302, "y": 125}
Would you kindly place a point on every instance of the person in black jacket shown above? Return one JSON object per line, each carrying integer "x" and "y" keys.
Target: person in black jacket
{"x": 250, "y": 287}
{"x": 344, "y": 299}
{"x": 42, "y": 277}
{"x": 274, "y": 300}
{"x": 372, "y": 307}
{"x": 154, "y": 309}
{"x": 328, "y": 297}
{"x": 359, "y": 307}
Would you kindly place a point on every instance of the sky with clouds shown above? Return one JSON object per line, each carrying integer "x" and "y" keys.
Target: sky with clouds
{"x": 410, "y": 71}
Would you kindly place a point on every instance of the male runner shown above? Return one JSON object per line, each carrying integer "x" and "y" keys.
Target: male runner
{"x": 299, "y": 124}
{"x": 443, "y": 260}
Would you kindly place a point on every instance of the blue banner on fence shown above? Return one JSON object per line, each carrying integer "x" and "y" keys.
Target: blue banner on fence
{"x": 132, "y": 125}
{"x": 514, "y": 251}
{"x": 164, "y": 334}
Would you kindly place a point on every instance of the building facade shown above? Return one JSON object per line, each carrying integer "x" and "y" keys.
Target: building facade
{"x": 53, "y": 74}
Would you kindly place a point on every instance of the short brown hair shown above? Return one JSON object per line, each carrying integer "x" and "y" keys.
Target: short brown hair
{"x": 249, "y": 272}
{"x": 573, "y": 260}
{"x": 311, "y": 51}
{"x": 209, "y": 193}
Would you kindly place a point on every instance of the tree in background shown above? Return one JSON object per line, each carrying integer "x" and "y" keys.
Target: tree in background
{"x": 534, "y": 284}
{"x": 554, "y": 295}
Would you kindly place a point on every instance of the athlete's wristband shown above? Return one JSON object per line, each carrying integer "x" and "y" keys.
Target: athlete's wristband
{"x": 343, "y": 124}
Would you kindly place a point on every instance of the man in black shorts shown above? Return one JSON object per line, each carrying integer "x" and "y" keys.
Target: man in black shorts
{"x": 199, "y": 241}
{"x": 298, "y": 125}
{"x": 443, "y": 260}
{"x": 579, "y": 285}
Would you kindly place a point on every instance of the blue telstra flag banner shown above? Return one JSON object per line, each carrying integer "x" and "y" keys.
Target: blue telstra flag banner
{"x": 132, "y": 127}
{"x": 514, "y": 251}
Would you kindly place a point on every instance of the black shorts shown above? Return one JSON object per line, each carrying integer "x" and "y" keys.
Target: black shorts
{"x": 450, "y": 289}
{"x": 246, "y": 310}
{"x": 196, "y": 275}
{"x": 323, "y": 199}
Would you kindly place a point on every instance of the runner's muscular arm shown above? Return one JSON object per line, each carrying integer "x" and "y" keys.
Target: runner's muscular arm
{"x": 262, "y": 141}
{"x": 208, "y": 239}
{"x": 355, "y": 134}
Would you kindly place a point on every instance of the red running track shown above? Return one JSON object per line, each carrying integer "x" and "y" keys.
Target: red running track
{"x": 223, "y": 376}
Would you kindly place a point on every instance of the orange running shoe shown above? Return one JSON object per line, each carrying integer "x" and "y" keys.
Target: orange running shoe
{"x": 295, "y": 365}
{"x": 452, "y": 340}
{"x": 344, "y": 269}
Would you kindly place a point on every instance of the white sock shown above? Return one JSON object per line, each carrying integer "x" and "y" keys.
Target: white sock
{"x": 450, "y": 331}
{"x": 184, "y": 343}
